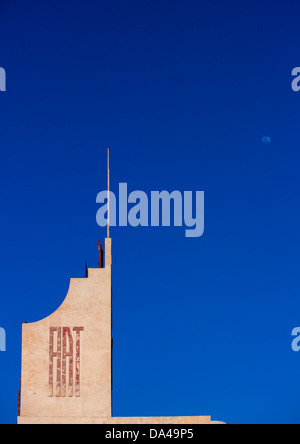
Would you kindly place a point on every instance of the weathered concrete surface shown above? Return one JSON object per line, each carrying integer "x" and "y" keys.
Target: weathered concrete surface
{"x": 87, "y": 306}
{"x": 114, "y": 421}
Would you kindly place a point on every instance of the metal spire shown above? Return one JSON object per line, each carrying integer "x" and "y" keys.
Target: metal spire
{"x": 108, "y": 192}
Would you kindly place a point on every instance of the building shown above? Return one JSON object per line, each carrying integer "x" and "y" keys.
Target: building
{"x": 66, "y": 375}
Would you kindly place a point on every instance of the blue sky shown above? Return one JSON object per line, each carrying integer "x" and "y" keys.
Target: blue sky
{"x": 183, "y": 93}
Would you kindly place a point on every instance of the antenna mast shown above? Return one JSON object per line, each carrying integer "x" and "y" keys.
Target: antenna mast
{"x": 108, "y": 193}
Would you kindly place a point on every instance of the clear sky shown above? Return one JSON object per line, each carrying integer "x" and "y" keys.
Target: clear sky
{"x": 183, "y": 93}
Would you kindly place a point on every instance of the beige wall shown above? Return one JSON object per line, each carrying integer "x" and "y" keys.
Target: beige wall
{"x": 87, "y": 306}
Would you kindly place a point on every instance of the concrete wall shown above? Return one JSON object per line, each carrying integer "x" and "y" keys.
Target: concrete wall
{"x": 66, "y": 357}
{"x": 115, "y": 421}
